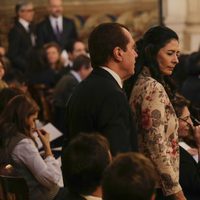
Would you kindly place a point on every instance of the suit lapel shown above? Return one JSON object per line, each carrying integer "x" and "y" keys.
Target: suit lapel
{"x": 65, "y": 29}
{"x": 26, "y": 35}
{"x": 50, "y": 29}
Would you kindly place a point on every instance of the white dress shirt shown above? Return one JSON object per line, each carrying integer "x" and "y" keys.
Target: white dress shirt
{"x": 59, "y": 21}
{"x": 24, "y": 23}
{"x": 114, "y": 75}
{"x": 46, "y": 171}
{"x": 76, "y": 75}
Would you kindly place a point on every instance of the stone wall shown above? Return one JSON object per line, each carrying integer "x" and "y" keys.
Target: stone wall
{"x": 183, "y": 17}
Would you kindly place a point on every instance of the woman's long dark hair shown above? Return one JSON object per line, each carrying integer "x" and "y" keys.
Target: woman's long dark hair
{"x": 148, "y": 47}
{"x": 14, "y": 117}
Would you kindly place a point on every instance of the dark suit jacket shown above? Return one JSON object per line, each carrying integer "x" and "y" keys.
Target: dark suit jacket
{"x": 45, "y": 33}
{"x": 20, "y": 46}
{"x": 99, "y": 104}
{"x": 61, "y": 95}
{"x": 63, "y": 89}
{"x": 189, "y": 175}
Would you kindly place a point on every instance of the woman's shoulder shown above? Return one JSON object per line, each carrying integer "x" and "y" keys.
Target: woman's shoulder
{"x": 148, "y": 82}
{"x": 26, "y": 143}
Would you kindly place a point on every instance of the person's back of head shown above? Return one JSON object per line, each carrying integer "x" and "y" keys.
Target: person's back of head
{"x": 82, "y": 66}
{"x": 83, "y": 163}
{"x": 81, "y": 61}
{"x": 131, "y": 176}
{"x": 102, "y": 41}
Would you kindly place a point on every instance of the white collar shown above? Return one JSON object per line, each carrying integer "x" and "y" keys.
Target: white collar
{"x": 24, "y": 23}
{"x": 76, "y": 75}
{"x": 53, "y": 19}
{"x": 90, "y": 197}
{"x": 114, "y": 75}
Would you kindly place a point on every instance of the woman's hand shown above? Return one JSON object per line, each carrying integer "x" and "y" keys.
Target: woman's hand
{"x": 44, "y": 137}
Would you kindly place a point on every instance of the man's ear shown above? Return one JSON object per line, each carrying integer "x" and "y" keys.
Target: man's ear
{"x": 118, "y": 54}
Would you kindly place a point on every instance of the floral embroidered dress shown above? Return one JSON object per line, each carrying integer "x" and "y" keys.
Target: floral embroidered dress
{"x": 157, "y": 126}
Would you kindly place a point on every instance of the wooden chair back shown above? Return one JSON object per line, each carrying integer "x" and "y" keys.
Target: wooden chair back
{"x": 13, "y": 187}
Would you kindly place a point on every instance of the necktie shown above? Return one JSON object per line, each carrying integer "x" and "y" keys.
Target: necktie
{"x": 57, "y": 31}
{"x": 31, "y": 33}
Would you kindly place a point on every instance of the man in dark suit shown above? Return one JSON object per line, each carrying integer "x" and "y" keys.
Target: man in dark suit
{"x": 66, "y": 85}
{"x": 56, "y": 28}
{"x": 21, "y": 39}
{"x": 99, "y": 103}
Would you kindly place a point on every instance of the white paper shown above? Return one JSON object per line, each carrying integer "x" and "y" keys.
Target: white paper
{"x": 54, "y": 133}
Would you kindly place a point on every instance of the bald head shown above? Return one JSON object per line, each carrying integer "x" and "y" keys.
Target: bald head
{"x": 55, "y": 7}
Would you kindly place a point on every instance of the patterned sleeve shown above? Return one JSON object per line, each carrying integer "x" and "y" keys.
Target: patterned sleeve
{"x": 159, "y": 142}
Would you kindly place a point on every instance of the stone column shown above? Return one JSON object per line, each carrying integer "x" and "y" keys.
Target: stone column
{"x": 174, "y": 16}
{"x": 192, "y": 29}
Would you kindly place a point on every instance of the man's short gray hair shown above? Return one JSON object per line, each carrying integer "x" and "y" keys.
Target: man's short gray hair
{"x": 21, "y": 4}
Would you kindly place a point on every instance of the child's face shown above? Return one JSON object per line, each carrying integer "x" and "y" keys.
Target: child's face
{"x": 2, "y": 71}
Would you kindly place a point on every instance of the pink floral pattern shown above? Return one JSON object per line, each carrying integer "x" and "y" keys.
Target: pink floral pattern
{"x": 157, "y": 126}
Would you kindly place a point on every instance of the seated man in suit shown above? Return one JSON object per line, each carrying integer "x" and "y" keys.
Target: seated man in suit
{"x": 83, "y": 164}
{"x": 98, "y": 103}
{"x": 130, "y": 176}
{"x": 66, "y": 85}
{"x": 21, "y": 39}
{"x": 56, "y": 28}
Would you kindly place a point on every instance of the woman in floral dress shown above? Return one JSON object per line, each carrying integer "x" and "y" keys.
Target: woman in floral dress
{"x": 153, "y": 112}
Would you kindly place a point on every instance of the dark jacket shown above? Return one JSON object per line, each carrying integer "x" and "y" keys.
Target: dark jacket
{"x": 191, "y": 86}
{"x": 189, "y": 175}
{"x": 62, "y": 92}
{"x": 20, "y": 47}
{"x": 45, "y": 33}
{"x": 98, "y": 104}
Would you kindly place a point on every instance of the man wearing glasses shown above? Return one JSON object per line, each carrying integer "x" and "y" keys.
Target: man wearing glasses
{"x": 21, "y": 37}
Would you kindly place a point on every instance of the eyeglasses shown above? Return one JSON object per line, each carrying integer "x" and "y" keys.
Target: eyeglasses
{"x": 185, "y": 119}
{"x": 28, "y": 10}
